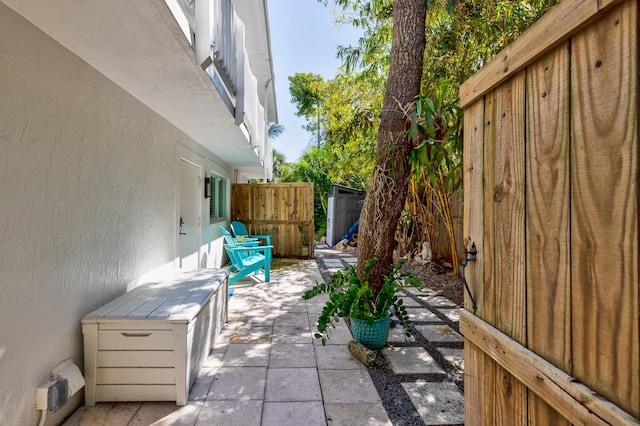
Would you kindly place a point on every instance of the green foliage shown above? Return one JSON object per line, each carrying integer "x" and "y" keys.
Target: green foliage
{"x": 314, "y": 166}
{"x": 308, "y": 93}
{"x": 436, "y": 133}
{"x": 281, "y": 169}
{"x": 342, "y": 114}
{"x": 342, "y": 117}
{"x": 351, "y": 297}
{"x": 461, "y": 39}
{"x": 436, "y": 166}
{"x": 304, "y": 240}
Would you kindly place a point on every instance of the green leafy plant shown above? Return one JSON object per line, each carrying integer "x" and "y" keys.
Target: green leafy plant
{"x": 351, "y": 297}
{"x": 303, "y": 235}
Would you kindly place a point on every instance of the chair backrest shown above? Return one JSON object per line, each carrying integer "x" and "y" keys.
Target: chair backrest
{"x": 239, "y": 229}
{"x": 227, "y": 236}
{"x": 234, "y": 256}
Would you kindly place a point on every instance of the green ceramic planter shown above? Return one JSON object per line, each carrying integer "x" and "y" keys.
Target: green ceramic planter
{"x": 372, "y": 336}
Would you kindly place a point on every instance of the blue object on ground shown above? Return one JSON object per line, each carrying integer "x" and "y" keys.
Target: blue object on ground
{"x": 352, "y": 231}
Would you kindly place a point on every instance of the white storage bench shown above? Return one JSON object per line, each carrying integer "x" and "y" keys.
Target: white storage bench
{"x": 148, "y": 344}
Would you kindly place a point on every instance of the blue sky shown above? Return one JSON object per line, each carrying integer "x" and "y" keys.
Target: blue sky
{"x": 303, "y": 39}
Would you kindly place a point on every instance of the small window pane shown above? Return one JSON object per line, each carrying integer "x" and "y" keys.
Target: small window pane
{"x": 218, "y": 201}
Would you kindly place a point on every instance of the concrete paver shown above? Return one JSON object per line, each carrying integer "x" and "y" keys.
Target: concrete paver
{"x": 439, "y": 333}
{"x": 336, "y": 357}
{"x": 166, "y": 414}
{"x": 340, "y": 335}
{"x": 437, "y": 301}
{"x": 246, "y": 355}
{"x": 348, "y": 386}
{"x": 437, "y": 403}
{"x": 233, "y": 412}
{"x": 421, "y": 314}
{"x": 292, "y": 356}
{"x": 249, "y": 334}
{"x": 452, "y": 314}
{"x": 238, "y": 383}
{"x": 297, "y": 334}
{"x": 397, "y": 335}
{"x": 356, "y": 414}
{"x": 411, "y": 360}
{"x": 293, "y": 384}
{"x": 409, "y": 302}
{"x": 291, "y": 319}
{"x": 308, "y": 413}
{"x": 454, "y": 356}
{"x": 424, "y": 292}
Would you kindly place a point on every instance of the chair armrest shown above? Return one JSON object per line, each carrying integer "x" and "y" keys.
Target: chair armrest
{"x": 250, "y": 248}
{"x": 248, "y": 242}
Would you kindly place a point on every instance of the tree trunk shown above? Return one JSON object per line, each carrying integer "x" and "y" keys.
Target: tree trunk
{"x": 388, "y": 187}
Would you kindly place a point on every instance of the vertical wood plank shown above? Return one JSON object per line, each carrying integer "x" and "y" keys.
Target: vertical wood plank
{"x": 547, "y": 216}
{"x": 604, "y": 207}
{"x": 541, "y": 413}
{"x": 488, "y": 284}
{"x": 474, "y": 379}
{"x": 547, "y": 219}
{"x": 475, "y": 393}
{"x": 488, "y": 292}
{"x": 473, "y": 206}
{"x": 508, "y": 198}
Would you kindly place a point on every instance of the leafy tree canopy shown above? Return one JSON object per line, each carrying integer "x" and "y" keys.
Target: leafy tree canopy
{"x": 342, "y": 114}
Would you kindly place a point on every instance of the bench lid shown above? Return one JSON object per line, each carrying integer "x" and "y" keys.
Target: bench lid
{"x": 179, "y": 296}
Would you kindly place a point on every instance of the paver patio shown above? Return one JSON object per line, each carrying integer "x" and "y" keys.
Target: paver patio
{"x": 267, "y": 369}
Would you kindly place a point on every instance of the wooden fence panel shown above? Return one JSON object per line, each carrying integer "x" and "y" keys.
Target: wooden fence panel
{"x": 551, "y": 202}
{"x": 604, "y": 204}
{"x": 278, "y": 210}
{"x": 549, "y": 331}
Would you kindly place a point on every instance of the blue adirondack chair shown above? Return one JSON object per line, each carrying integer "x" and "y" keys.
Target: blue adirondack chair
{"x": 238, "y": 241}
{"x": 247, "y": 259}
{"x": 240, "y": 230}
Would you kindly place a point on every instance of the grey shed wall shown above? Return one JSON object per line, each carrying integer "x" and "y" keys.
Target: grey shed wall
{"x": 344, "y": 209}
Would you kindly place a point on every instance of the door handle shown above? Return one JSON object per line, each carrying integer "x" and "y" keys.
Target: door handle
{"x": 181, "y": 225}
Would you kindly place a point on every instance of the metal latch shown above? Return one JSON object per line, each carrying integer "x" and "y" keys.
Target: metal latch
{"x": 471, "y": 256}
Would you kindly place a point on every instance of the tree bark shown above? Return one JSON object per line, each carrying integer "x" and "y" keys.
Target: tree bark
{"x": 387, "y": 190}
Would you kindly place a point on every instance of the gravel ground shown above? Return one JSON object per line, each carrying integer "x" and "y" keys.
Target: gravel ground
{"x": 397, "y": 403}
{"x": 438, "y": 279}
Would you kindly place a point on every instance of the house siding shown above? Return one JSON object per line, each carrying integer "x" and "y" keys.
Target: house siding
{"x": 87, "y": 205}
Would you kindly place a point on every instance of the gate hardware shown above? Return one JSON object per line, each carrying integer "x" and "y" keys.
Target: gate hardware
{"x": 471, "y": 257}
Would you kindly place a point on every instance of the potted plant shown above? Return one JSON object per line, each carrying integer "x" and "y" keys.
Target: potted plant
{"x": 350, "y": 297}
{"x": 304, "y": 242}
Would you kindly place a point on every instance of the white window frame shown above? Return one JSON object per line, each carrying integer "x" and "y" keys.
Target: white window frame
{"x": 219, "y": 201}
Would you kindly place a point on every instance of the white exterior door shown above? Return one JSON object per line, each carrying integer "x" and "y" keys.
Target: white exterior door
{"x": 189, "y": 216}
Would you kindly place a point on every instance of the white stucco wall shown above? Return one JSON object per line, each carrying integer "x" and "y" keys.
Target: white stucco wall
{"x": 87, "y": 205}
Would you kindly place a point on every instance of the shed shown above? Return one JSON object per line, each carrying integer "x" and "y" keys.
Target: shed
{"x": 344, "y": 207}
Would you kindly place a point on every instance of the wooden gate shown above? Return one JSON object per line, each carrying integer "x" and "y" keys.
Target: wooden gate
{"x": 282, "y": 210}
{"x": 551, "y": 203}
